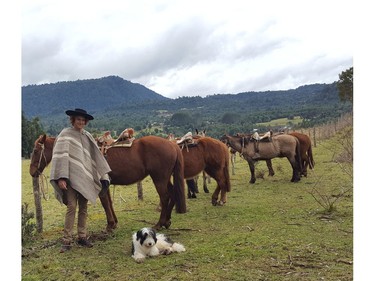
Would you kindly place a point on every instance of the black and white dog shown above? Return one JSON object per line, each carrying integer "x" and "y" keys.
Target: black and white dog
{"x": 146, "y": 242}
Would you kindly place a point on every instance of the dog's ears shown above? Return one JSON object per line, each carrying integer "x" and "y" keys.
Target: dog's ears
{"x": 139, "y": 234}
{"x": 154, "y": 236}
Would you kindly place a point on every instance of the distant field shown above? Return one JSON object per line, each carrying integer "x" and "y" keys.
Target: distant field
{"x": 282, "y": 122}
{"x": 271, "y": 230}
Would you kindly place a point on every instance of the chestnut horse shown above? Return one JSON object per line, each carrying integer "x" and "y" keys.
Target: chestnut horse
{"x": 306, "y": 152}
{"x": 280, "y": 146}
{"x": 211, "y": 156}
{"x": 149, "y": 155}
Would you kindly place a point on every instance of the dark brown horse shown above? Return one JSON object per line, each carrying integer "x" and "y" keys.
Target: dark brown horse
{"x": 211, "y": 156}
{"x": 279, "y": 146}
{"x": 150, "y": 155}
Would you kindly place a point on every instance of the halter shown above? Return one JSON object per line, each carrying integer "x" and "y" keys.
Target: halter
{"x": 42, "y": 154}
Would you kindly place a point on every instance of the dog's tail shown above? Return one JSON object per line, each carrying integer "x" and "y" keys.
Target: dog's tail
{"x": 177, "y": 247}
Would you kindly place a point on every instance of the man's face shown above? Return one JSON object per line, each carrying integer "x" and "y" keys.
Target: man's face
{"x": 79, "y": 122}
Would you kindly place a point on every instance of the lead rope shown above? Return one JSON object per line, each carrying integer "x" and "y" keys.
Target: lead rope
{"x": 43, "y": 186}
{"x": 43, "y": 183}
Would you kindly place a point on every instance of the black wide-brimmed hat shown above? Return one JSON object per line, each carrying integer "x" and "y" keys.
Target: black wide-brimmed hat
{"x": 79, "y": 112}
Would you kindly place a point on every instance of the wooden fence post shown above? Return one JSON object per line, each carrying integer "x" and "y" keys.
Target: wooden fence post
{"x": 38, "y": 205}
{"x": 140, "y": 190}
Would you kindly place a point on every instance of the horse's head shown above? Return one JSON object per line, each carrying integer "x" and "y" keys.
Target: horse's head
{"x": 39, "y": 157}
{"x": 225, "y": 139}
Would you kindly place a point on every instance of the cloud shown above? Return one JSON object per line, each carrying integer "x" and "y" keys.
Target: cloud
{"x": 176, "y": 49}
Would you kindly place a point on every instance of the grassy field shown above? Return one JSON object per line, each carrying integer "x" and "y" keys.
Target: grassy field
{"x": 271, "y": 230}
{"x": 282, "y": 122}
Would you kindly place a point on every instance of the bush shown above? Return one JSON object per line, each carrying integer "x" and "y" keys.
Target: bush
{"x": 28, "y": 227}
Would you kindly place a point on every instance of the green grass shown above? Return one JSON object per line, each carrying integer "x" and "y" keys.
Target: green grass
{"x": 282, "y": 122}
{"x": 271, "y": 230}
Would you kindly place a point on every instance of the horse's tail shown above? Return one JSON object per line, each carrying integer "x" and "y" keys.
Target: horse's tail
{"x": 310, "y": 158}
{"x": 298, "y": 155}
{"x": 179, "y": 183}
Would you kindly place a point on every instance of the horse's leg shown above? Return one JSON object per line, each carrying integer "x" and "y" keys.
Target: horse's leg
{"x": 271, "y": 173}
{"x": 196, "y": 190}
{"x": 215, "y": 196}
{"x": 105, "y": 199}
{"x": 164, "y": 191}
{"x": 205, "y": 179}
{"x": 296, "y": 171}
{"x": 304, "y": 161}
{"x": 223, "y": 189}
{"x": 191, "y": 188}
{"x": 233, "y": 160}
{"x": 252, "y": 171}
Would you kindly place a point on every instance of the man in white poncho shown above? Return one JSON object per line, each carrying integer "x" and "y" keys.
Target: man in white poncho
{"x": 78, "y": 173}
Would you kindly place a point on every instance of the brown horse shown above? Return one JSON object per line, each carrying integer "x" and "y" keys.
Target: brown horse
{"x": 150, "y": 155}
{"x": 280, "y": 146}
{"x": 306, "y": 152}
{"x": 211, "y": 156}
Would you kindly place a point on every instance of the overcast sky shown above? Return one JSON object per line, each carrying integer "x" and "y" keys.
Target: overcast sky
{"x": 188, "y": 48}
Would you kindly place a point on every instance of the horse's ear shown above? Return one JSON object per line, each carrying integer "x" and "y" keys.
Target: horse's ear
{"x": 43, "y": 138}
{"x": 196, "y": 130}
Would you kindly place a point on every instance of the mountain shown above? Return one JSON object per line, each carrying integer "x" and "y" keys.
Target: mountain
{"x": 118, "y": 104}
{"x": 94, "y": 95}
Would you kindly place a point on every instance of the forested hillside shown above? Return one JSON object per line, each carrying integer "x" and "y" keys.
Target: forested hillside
{"x": 95, "y": 95}
{"x": 118, "y": 104}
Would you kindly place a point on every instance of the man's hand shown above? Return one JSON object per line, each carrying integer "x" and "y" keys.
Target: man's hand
{"x": 62, "y": 184}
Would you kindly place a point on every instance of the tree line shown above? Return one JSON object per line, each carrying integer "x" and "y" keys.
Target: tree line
{"x": 241, "y": 113}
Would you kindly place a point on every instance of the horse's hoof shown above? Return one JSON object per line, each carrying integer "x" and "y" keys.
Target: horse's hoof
{"x": 157, "y": 226}
{"x": 193, "y": 196}
{"x": 167, "y": 224}
{"x": 220, "y": 203}
{"x": 111, "y": 227}
{"x": 214, "y": 202}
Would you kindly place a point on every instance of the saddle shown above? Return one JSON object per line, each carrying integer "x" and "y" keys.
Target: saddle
{"x": 267, "y": 137}
{"x": 104, "y": 142}
{"x": 124, "y": 140}
{"x": 186, "y": 141}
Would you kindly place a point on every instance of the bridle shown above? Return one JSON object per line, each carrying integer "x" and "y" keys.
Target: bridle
{"x": 41, "y": 157}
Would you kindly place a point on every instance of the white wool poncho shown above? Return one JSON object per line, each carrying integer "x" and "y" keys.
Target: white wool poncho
{"x": 77, "y": 158}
